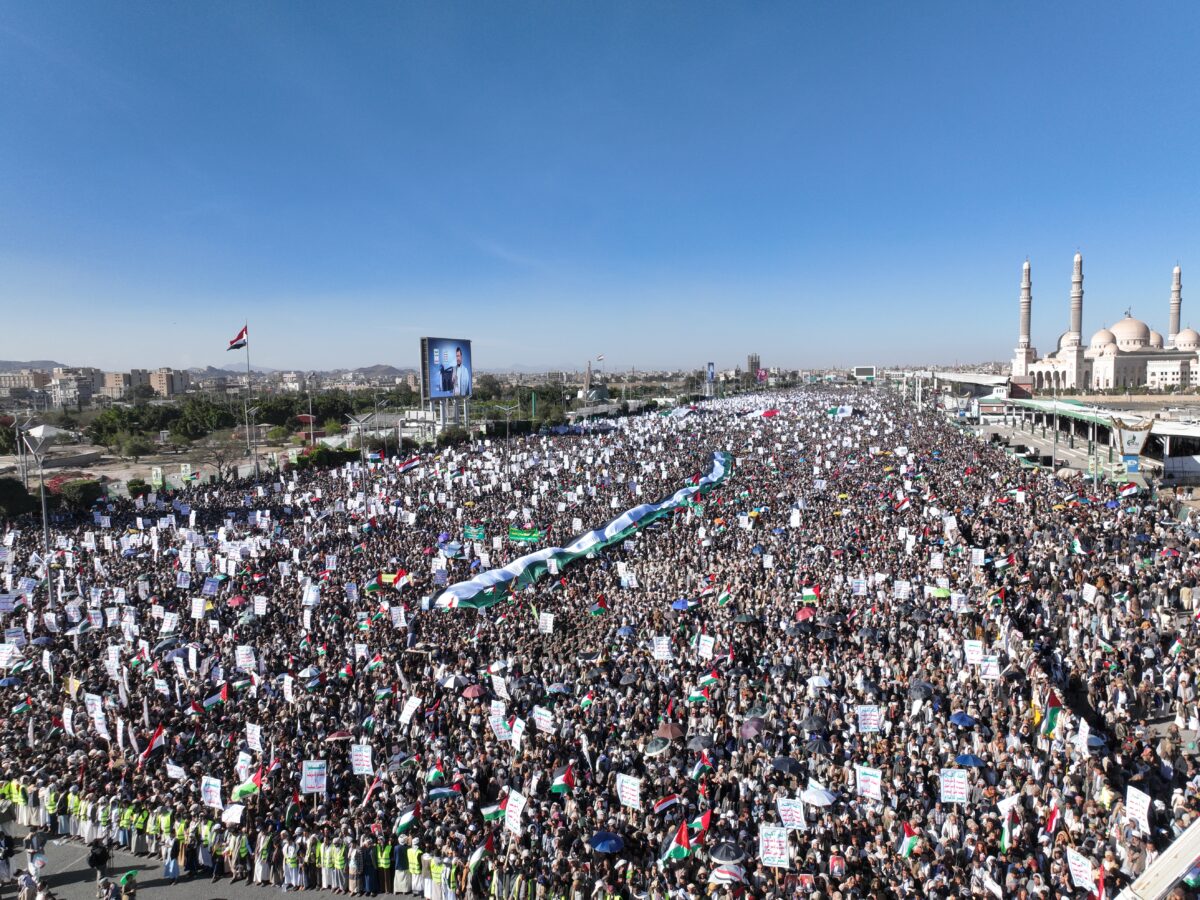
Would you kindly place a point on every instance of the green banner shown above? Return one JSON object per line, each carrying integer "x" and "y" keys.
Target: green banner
{"x": 525, "y": 535}
{"x": 474, "y": 533}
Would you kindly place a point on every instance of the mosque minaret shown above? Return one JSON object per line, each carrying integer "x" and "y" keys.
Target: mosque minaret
{"x": 1129, "y": 354}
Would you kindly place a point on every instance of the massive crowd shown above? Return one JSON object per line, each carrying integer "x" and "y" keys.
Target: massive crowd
{"x": 878, "y": 659}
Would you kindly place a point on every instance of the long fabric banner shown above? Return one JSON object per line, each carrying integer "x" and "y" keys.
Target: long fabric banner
{"x": 492, "y": 586}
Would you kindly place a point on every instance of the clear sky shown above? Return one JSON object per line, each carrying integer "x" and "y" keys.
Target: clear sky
{"x": 663, "y": 183}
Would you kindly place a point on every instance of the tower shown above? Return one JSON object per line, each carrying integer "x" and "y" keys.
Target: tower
{"x": 1075, "y": 333}
{"x": 1025, "y": 354}
{"x": 1176, "y": 303}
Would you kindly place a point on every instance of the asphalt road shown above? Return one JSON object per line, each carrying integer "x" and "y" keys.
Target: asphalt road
{"x": 68, "y": 876}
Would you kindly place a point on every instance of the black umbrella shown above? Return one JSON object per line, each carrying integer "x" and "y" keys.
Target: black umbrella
{"x": 921, "y": 690}
{"x": 778, "y": 671}
{"x": 868, "y": 634}
{"x": 656, "y": 746}
{"x": 745, "y": 619}
{"x": 919, "y": 615}
{"x": 786, "y": 765}
{"x": 831, "y": 619}
{"x": 628, "y": 678}
{"x": 752, "y": 728}
{"x": 739, "y": 670}
{"x": 814, "y": 723}
{"x": 826, "y": 635}
{"x": 596, "y": 674}
{"x": 758, "y": 711}
{"x": 818, "y": 745}
{"x": 804, "y": 627}
{"x": 700, "y": 742}
{"x": 795, "y": 630}
{"x": 725, "y": 852}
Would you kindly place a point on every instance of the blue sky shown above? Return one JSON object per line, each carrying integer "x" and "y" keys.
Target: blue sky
{"x": 663, "y": 183}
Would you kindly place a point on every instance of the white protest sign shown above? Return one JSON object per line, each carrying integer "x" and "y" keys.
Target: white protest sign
{"x": 791, "y": 813}
{"x": 629, "y": 791}
{"x": 210, "y": 792}
{"x": 1081, "y": 870}
{"x": 868, "y": 719}
{"x": 411, "y": 705}
{"x": 954, "y": 786}
{"x": 512, "y": 812}
{"x": 989, "y": 668}
{"x": 662, "y": 649}
{"x": 705, "y": 646}
{"x": 973, "y": 651}
{"x": 870, "y": 782}
{"x": 773, "y": 846}
{"x": 313, "y": 774}
{"x": 543, "y": 719}
{"x": 360, "y": 759}
{"x": 1137, "y": 808}
{"x": 545, "y": 623}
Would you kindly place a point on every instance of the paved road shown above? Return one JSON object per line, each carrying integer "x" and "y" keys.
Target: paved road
{"x": 69, "y": 877}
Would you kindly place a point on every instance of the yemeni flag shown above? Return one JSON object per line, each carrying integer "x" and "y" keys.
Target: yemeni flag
{"x": 1006, "y": 834}
{"x": 1128, "y": 490}
{"x": 723, "y": 598}
{"x": 711, "y": 678}
{"x": 908, "y": 840}
{"x": 599, "y": 608}
{"x": 218, "y": 698}
{"x": 248, "y": 788}
{"x": 699, "y": 695}
{"x": 411, "y": 463}
{"x": 484, "y": 849}
{"x": 24, "y": 706}
{"x": 240, "y": 341}
{"x": 407, "y": 816}
{"x": 1053, "y": 710}
{"x": 587, "y": 701}
{"x": 1003, "y": 562}
{"x": 666, "y": 803}
{"x": 564, "y": 781}
{"x": 1052, "y": 819}
{"x": 679, "y": 846}
{"x": 375, "y": 663}
{"x": 904, "y": 504}
{"x": 702, "y": 766}
{"x": 157, "y": 740}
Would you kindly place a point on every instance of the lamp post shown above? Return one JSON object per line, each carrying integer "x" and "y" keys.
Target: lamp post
{"x": 358, "y": 422}
{"x": 252, "y": 437}
{"x": 38, "y": 452}
{"x": 508, "y": 411}
{"x": 378, "y": 406}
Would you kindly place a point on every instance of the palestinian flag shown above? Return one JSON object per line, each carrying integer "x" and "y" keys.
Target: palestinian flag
{"x": 1053, "y": 710}
{"x": 711, "y": 678}
{"x": 723, "y": 598}
{"x": 24, "y": 706}
{"x": 218, "y": 698}
{"x": 1076, "y": 546}
{"x": 1003, "y": 562}
{"x": 305, "y": 642}
{"x": 195, "y": 709}
{"x": 588, "y": 699}
{"x": 156, "y": 740}
{"x": 702, "y": 766}
{"x": 699, "y": 695}
{"x": 375, "y": 584}
{"x": 599, "y": 608}
{"x": 493, "y": 812}
{"x": 347, "y": 671}
{"x": 564, "y": 781}
{"x": 700, "y": 826}
{"x": 407, "y": 816}
{"x": 443, "y": 793}
{"x": 375, "y": 663}
{"x": 678, "y": 847}
{"x": 1006, "y": 834}
{"x": 436, "y": 773}
{"x": 383, "y": 693}
{"x": 248, "y": 788}
{"x": 811, "y": 594}
{"x": 1128, "y": 490}
{"x": 24, "y": 666}
{"x": 1176, "y": 648}
{"x": 908, "y": 840}
{"x": 666, "y": 803}
{"x": 485, "y": 849}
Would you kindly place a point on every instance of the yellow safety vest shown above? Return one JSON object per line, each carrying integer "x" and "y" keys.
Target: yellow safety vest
{"x": 383, "y": 856}
{"x": 414, "y": 861}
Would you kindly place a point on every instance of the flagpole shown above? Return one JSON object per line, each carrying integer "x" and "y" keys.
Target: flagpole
{"x": 251, "y": 441}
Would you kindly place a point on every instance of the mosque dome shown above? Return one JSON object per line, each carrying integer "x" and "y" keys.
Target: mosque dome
{"x": 1188, "y": 339}
{"x": 1131, "y": 333}
{"x": 1102, "y": 339}
{"x": 1156, "y": 339}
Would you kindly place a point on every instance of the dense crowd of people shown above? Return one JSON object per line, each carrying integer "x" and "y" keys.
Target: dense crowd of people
{"x": 877, "y": 659}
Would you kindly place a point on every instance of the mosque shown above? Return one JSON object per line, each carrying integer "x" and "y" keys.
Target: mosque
{"x": 1128, "y": 354}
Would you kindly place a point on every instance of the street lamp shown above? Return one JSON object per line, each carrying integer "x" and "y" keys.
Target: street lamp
{"x": 508, "y": 411}
{"x": 37, "y": 449}
{"x": 252, "y": 437}
{"x": 378, "y": 406}
{"x": 359, "y": 422}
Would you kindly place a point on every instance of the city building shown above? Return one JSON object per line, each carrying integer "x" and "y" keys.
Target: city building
{"x": 753, "y": 364}
{"x": 169, "y": 382}
{"x": 1127, "y": 354}
{"x": 26, "y": 379}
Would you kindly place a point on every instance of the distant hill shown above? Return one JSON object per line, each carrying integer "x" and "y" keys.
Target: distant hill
{"x": 13, "y": 365}
{"x": 214, "y": 372}
{"x": 379, "y": 370}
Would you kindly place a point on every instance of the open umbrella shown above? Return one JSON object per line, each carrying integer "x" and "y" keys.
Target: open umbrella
{"x": 10, "y": 681}
{"x": 606, "y": 842}
{"x": 920, "y": 690}
{"x": 339, "y": 736}
{"x": 805, "y": 613}
{"x": 454, "y": 682}
{"x": 970, "y": 760}
{"x": 805, "y": 628}
{"x": 778, "y": 671}
{"x": 657, "y": 746}
{"x": 745, "y": 619}
{"x": 700, "y": 742}
{"x": 752, "y": 728}
{"x": 757, "y": 711}
{"x": 474, "y": 691}
{"x": 236, "y": 601}
{"x": 826, "y": 635}
{"x": 786, "y": 765}
{"x": 42, "y": 641}
{"x": 624, "y": 631}
{"x": 818, "y": 681}
{"x": 793, "y": 631}
{"x": 558, "y": 688}
{"x": 867, "y": 633}
{"x": 727, "y": 873}
{"x": 681, "y": 604}
{"x": 814, "y": 722}
{"x": 595, "y": 673}
{"x": 817, "y": 796}
{"x": 819, "y": 746}
{"x": 628, "y": 678}
{"x": 962, "y": 720}
{"x": 726, "y": 852}
{"x": 670, "y": 731}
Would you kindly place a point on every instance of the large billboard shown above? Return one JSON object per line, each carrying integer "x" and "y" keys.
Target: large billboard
{"x": 761, "y": 376}
{"x": 711, "y": 374}
{"x": 864, "y": 373}
{"x": 445, "y": 368}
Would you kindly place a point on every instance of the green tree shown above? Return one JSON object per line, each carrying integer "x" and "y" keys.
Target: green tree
{"x": 81, "y": 494}
{"x": 140, "y": 393}
{"x": 180, "y": 442}
{"x": 278, "y": 434}
{"x": 452, "y": 435}
{"x": 135, "y": 446}
{"x": 137, "y": 487}
{"x": 14, "y": 499}
{"x": 8, "y": 437}
{"x": 332, "y": 426}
